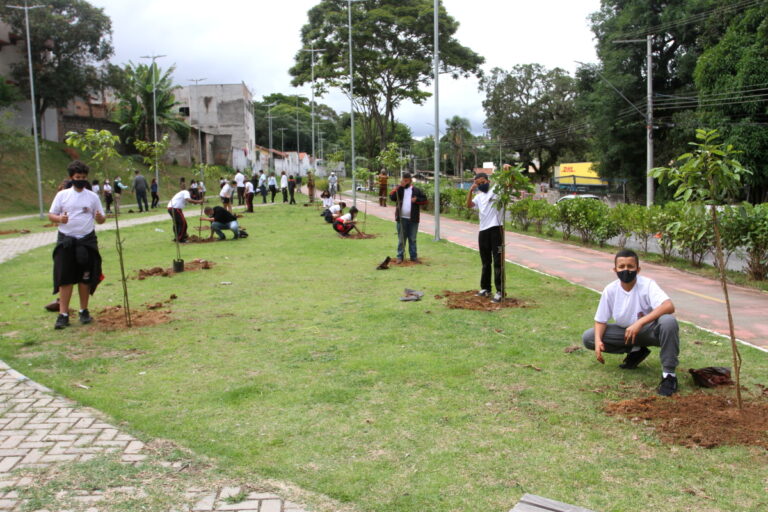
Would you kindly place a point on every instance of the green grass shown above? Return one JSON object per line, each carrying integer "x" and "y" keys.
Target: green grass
{"x": 308, "y": 369}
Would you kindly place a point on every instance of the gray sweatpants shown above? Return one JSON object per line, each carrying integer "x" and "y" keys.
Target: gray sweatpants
{"x": 664, "y": 333}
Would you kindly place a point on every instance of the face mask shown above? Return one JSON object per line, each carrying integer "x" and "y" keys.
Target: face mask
{"x": 485, "y": 187}
{"x": 79, "y": 183}
{"x": 626, "y": 276}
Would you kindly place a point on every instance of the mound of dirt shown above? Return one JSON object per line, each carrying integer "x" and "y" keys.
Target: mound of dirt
{"x": 469, "y": 300}
{"x": 194, "y": 239}
{"x": 14, "y": 231}
{"x": 203, "y": 228}
{"x": 407, "y": 263}
{"x": 700, "y": 419}
{"x": 189, "y": 266}
{"x": 360, "y": 236}
{"x": 112, "y": 318}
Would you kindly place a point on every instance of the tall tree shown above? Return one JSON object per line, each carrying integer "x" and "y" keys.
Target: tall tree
{"x": 135, "y": 112}
{"x": 68, "y": 39}
{"x": 457, "y": 133}
{"x": 731, "y": 78}
{"x": 393, "y": 48}
{"x": 679, "y": 29}
{"x": 533, "y": 111}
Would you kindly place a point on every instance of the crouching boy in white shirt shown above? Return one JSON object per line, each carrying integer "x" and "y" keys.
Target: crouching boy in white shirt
{"x": 642, "y": 315}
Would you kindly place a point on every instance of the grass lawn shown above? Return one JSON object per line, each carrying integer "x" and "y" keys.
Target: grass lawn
{"x": 307, "y": 368}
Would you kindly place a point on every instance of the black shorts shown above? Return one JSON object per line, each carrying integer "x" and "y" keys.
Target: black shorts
{"x": 225, "y": 200}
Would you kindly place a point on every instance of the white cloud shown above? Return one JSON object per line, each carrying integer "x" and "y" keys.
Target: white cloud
{"x": 232, "y": 41}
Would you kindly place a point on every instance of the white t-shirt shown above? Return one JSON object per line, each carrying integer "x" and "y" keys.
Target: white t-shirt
{"x": 283, "y": 181}
{"x": 346, "y": 217}
{"x": 327, "y": 202}
{"x": 180, "y": 199}
{"x": 405, "y": 210}
{"x": 226, "y": 191}
{"x": 107, "y": 188}
{"x": 193, "y": 186}
{"x": 271, "y": 181}
{"x": 335, "y": 209}
{"x": 627, "y": 307}
{"x": 202, "y": 186}
{"x": 248, "y": 187}
{"x": 240, "y": 179}
{"x": 485, "y": 203}
{"x": 81, "y": 208}
{"x": 95, "y": 189}
{"x": 262, "y": 180}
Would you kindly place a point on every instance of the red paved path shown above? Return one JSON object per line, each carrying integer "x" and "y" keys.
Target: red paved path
{"x": 697, "y": 299}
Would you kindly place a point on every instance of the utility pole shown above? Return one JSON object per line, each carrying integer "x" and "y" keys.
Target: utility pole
{"x": 312, "y": 52}
{"x": 199, "y": 122}
{"x": 270, "y": 161}
{"x": 437, "y": 120}
{"x": 352, "y": 99}
{"x": 26, "y": 8}
{"x": 649, "y": 185}
{"x": 154, "y": 107}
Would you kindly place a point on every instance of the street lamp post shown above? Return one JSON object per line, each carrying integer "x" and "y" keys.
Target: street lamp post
{"x": 312, "y": 52}
{"x": 352, "y": 99}
{"x": 154, "y": 106}
{"x": 199, "y": 122}
{"x": 26, "y": 8}
{"x": 282, "y": 138}
{"x": 269, "y": 118}
{"x": 437, "y": 122}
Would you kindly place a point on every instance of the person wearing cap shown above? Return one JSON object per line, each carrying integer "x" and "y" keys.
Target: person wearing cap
{"x": 409, "y": 200}
{"x": 482, "y": 198}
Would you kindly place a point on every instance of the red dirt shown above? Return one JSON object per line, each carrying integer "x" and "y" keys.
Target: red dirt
{"x": 360, "y": 236}
{"x": 112, "y": 318}
{"x": 203, "y": 228}
{"x": 49, "y": 225}
{"x": 189, "y": 266}
{"x": 468, "y": 300}
{"x": 700, "y": 419}
{"x": 407, "y": 263}
{"x": 194, "y": 239}
{"x": 14, "y": 231}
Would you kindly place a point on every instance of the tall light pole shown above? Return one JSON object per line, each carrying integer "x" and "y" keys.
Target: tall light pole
{"x": 26, "y": 8}
{"x": 649, "y": 192}
{"x": 269, "y": 118}
{"x": 199, "y": 123}
{"x": 352, "y": 99}
{"x": 282, "y": 138}
{"x": 437, "y": 121}
{"x": 154, "y": 106}
{"x": 312, "y": 51}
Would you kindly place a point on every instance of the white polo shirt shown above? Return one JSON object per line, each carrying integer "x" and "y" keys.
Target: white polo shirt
{"x": 240, "y": 179}
{"x": 180, "y": 199}
{"x": 485, "y": 203}
{"x": 626, "y": 307}
{"x": 81, "y": 208}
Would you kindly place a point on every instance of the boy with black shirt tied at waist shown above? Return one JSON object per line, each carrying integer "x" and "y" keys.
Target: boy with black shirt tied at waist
{"x": 489, "y": 235}
{"x": 76, "y": 258}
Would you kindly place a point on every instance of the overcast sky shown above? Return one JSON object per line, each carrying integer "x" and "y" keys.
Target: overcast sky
{"x": 254, "y": 41}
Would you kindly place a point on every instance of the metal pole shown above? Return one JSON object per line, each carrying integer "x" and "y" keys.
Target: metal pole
{"x": 437, "y": 122}
{"x": 38, "y": 174}
{"x": 269, "y": 118}
{"x": 154, "y": 107}
{"x": 199, "y": 122}
{"x": 298, "y": 135}
{"x": 282, "y": 139}
{"x": 352, "y": 103}
{"x": 649, "y": 128}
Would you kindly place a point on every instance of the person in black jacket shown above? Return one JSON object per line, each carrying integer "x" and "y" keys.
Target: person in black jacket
{"x": 409, "y": 200}
{"x": 221, "y": 219}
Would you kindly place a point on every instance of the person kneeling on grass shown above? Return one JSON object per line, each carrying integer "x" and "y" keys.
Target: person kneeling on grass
{"x": 346, "y": 223}
{"x": 76, "y": 258}
{"x": 221, "y": 219}
{"x": 642, "y": 315}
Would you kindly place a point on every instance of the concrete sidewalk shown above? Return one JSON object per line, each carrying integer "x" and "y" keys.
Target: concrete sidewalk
{"x": 697, "y": 299}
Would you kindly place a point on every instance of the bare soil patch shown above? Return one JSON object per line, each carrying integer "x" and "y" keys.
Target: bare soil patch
{"x": 699, "y": 419}
{"x": 408, "y": 263}
{"x": 360, "y": 236}
{"x": 14, "y": 231}
{"x": 469, "y": 300}
{"x": 189, "y": 266}
{"x": 112, "y": 318}
{"x": 194, "y": 239}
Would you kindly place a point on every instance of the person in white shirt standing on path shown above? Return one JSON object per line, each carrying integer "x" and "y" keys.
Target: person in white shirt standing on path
{"x": 642, "y": 316}
{"x": 489, "y": 236}
{"x": 284, "y": 186}
{"x": 240, "y": 182}
{"x": 226, "y": 195}
{"x": 76, "y": 258}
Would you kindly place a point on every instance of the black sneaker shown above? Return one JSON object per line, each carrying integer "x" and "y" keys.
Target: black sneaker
{"x": 668, "y": 386}
{"x": 497, "y": 297}
{"x": 634, "y": 359}
{"x": 483, "y": 293}
{"x": 85, "y": 317}
{"x": 62, "y": 321}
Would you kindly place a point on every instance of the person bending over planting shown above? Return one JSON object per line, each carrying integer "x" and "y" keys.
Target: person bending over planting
{"x": 346, "y": 223}
{"x": 76, "y": 258}
{"x": 642, "y": 315}
{"x": 221, "y": 219}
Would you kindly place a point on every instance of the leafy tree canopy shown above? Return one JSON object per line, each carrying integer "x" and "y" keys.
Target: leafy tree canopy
{"x": 68, "y": 39}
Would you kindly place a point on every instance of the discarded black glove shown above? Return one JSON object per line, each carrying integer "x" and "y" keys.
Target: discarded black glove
{"x": 711, "y": 376}
{"x": 384, "y": 265}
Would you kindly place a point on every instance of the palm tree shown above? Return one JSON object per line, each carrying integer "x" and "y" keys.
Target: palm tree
{"x": 457, "y": 132}
{"x": 134, "y": 111}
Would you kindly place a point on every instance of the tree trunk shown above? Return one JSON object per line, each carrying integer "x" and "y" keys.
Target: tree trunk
{"x": 724, "y": 283}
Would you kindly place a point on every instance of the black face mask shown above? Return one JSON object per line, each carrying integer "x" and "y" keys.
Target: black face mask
{"x": 626, "y": 276}
{"x": 80, "y": 183}
{"x": 485, "y": 187}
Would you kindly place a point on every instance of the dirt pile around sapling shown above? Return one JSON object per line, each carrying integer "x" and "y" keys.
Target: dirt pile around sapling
{"x": 14, "y": 231}
{"x": 194, "y": 239}
{"x": 112, "y": 318}
{"x": 408, "y": 263}
{"x": 360, "y": 236}
{"x": 189, "y": 266}
{"x": 700, "y": 419}
{"x": 470, "y": 300}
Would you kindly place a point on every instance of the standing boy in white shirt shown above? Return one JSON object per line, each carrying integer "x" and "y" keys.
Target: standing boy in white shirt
{"x": 76, "y": 258}
{"x": 642, "y": 315}
{"x": 489, "y": 235}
